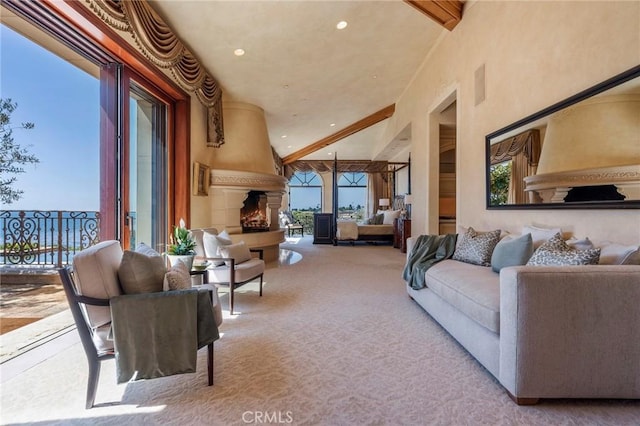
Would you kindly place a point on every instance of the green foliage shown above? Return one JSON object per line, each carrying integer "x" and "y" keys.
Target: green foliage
{"x": 181, "y": 242}
{"x": 304, "y": 218}
{"x": 12, "y": 155}
{"x": 500, "y": 176}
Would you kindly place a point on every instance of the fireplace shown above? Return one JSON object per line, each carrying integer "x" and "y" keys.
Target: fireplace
{"x": 253, "y": 214}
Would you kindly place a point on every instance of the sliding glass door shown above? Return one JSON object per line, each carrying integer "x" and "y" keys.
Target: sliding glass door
{"x": 146, "y": 201}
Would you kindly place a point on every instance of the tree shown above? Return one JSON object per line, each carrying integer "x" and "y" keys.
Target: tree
{"x": 12, "y": 156}
{"x": 500, "y": 177}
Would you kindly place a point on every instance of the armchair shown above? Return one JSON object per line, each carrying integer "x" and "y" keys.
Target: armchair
{"x": 289, "y": 223}
{"x": 92, "y": 288}
{"x": 227, "y": 257}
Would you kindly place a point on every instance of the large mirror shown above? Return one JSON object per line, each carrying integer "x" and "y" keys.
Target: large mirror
{"x": 583, "y": 152}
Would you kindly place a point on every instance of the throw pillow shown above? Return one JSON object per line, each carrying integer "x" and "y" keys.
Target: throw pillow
{"x": 142, "y": 248}
{"x": 390, "y": 216}
{"x": 223, "y": 238}
{"x": 239, "y": 252}
{"x": 139, "y": 273}
{"x": 619, "y": 254}
{"x": 512, "y": 251}
{"x": 583, "y": 244}
{"x": 211, "y": 243}
{"x": 539, "y": 234}
{"x": 476, "y": 248}
{"x": 556, "y": 252}
{"x": 378, "y": 219}
{"x": 177, "y": 277}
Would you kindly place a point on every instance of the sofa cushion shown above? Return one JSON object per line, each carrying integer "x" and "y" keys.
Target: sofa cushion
{"x": 244, "y": 271}
{"x": 472, "y": 289}
{"x": 476, "y": 248}
{"x": 557, "y": 252}
{"x": 140, "y": 273}
{"x": 96, "y": 275}
{"x": 512, "y": 251}
{"x": 618, "y": 254}
{"x": 540, "y": 234}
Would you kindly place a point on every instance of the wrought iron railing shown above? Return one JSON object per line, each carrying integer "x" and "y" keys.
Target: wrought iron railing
{"x": 46, "y": 238}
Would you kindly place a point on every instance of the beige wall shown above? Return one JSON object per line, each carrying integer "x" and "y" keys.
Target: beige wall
{"x": 535, "y": 54}
{"x": 200, "y": 205}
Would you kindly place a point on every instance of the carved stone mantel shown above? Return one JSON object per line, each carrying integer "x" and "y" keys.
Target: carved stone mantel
{"x": 227, "y": 192}
{"x": 553, "y": 187}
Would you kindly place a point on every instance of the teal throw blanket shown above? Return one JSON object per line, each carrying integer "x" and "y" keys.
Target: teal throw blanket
{"x": 428, "y": 250}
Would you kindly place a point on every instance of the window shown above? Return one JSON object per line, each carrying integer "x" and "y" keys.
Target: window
{"x": 352, "y": 195}
{"x": 305, "y": 192}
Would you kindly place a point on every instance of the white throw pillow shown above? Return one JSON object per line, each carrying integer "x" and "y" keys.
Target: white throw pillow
{"x": 177, "y": 277}
{"x": 390, "y": 216}
{"x": 618, "y": 254}
{"x": 540, "y": 235}
{"x": 239, "y": 252}
{"x": 211, "y": 244}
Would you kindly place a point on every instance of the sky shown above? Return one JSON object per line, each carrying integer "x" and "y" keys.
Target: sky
{"x": 64, "y": 104}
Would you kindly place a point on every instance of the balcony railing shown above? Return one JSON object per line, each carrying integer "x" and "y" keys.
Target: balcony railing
{"x": 45, "y": 238}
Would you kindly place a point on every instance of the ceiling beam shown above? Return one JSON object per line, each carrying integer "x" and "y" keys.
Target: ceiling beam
{"x": 368, "y": 121}
{"x": 447, "y": 13}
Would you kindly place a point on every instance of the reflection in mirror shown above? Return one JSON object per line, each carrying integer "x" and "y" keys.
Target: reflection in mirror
{"x": 582, "y": 152}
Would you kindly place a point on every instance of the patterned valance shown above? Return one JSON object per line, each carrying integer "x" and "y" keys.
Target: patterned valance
{"x": 324, "y": 166}
{"x": 527, "y": 143}
{"x": 158, "y": 43}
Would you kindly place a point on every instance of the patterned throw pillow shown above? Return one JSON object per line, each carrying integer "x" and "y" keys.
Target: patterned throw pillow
{"x": 557, "y": 252}
{"x": 177, "y": 277}
{"x": 475, "y": 247}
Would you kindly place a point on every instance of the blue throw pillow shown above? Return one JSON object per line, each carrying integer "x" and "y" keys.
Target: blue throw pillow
{"x": 512, "y": 252}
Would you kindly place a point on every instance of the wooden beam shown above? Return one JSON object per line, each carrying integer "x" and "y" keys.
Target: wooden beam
{"x": 368, "y": 121}
{"x": 447, "y": 13}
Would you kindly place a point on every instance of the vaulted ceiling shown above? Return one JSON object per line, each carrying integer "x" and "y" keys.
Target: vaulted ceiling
{"x": 318, "y": 85}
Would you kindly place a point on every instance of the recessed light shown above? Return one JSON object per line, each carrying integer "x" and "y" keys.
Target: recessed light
{"x": 286, "y": 86}
{"x": 239, "y": 52}
{"x": 289, "y": 146}
{"x": 329, "y": 153}
{"x": 283, "y": 136}
{"x": 342, "y": 25}
{"x": 332, "y": 124}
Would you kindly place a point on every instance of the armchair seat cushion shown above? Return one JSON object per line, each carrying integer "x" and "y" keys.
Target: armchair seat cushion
{"x": 103, "y": 338}
{"x": 244, "y": 271}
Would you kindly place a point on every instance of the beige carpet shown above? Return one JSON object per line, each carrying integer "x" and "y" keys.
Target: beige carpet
{"x": 334, "y": 341}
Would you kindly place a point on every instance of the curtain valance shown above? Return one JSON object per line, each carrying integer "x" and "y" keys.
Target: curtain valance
{"x": 527, "y": 143}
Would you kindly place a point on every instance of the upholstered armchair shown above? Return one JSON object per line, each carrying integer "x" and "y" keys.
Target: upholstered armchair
{"x": 232, "y": 265}
{"x": 138, "y": 329}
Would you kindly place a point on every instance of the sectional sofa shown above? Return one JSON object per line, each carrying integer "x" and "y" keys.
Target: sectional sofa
{"x": 543, "y": 331}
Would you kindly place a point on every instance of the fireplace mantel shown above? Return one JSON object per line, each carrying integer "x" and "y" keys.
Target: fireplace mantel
{"x": 227, "y": 192}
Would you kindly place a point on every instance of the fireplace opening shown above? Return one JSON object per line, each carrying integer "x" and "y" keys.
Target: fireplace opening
{"x": 253, "y": 215}
{"x": 594, "y": 193}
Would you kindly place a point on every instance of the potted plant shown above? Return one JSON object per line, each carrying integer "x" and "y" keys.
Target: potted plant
{"x": 181, "y": 246}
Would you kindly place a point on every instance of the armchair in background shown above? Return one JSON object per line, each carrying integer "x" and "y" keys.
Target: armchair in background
{"x": 233, "y": 265}
{"x": 290, "y": 224}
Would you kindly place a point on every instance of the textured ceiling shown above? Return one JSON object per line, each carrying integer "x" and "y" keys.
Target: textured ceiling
{"x": 304, "y": 72}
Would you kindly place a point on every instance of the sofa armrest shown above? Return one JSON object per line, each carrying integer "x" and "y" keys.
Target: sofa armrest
{"x": 411, "y": 241}
{"x": 571, "y": 331}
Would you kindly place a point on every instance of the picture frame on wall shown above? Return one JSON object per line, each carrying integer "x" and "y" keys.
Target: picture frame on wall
{"x": 200, "y": 179}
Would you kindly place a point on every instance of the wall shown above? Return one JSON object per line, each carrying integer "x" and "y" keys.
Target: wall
{"x": 535, "y": 54}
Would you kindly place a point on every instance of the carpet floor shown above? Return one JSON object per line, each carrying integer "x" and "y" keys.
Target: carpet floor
{"x": 335, "y": 340}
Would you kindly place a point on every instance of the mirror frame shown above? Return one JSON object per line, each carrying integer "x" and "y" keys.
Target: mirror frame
{"x": 592, "y": 91}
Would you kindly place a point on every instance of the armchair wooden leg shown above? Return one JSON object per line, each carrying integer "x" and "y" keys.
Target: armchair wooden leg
{"x": 260, "y": 285}
{"x": 210, "y": 363}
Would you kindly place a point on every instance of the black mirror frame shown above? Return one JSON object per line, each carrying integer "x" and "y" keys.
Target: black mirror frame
{"x": 598, "y": 88}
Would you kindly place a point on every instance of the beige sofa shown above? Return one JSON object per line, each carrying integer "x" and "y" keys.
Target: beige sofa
{"x": 543, "y": 331}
